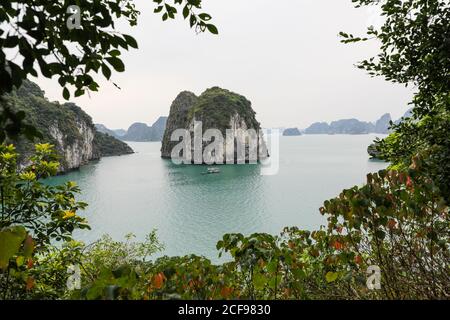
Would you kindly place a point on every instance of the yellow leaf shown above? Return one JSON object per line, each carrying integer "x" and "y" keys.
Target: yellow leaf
{"x": 68, "y": 214}
{"x": 20, "y": 260}
{"x": 331, "y": 276}
{"x": 28, "y": 176}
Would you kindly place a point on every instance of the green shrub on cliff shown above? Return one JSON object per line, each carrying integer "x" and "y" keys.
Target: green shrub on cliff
{"x": 427, "y": 136}
{"x": 216, "y": 106}
{"x": 107, "y": 145}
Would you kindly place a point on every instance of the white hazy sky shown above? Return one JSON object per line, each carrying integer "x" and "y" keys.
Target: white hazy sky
{"x": 283, "y": 55}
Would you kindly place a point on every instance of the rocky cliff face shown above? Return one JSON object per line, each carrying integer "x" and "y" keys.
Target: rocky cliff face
{"x": 178, "y": 118}
{"x": 74, "y": 151}
{"x": 215, "y": 108}
{"x": 66, "y": 126}
{"x": 158, "y": 129}
{"x": 382, "y": 124}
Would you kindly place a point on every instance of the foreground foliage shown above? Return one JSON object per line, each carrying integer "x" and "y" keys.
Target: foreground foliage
{"x": 398, "y": 223}
{"x": 415, "y": 51}
{"x": 33, "y": 217}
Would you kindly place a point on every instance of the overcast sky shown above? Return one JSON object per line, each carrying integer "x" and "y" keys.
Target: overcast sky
{"x": 283, "y": 55}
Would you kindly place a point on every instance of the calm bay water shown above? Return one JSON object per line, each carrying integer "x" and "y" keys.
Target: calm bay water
{"x": 137, "y": 193}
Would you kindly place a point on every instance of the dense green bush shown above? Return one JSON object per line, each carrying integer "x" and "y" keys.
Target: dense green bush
{"x": 34, "y": 217}
{"x": 427, "y": 136}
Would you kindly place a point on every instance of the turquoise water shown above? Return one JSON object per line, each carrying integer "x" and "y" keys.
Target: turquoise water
{"x": 191, "y": 211}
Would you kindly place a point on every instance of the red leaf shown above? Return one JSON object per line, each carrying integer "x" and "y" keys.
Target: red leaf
{"x": 225, "y": 292}
{"x": 337, "y": 245}
{"x": 158, "y": 280}
{"x": 392, "y": 223}
{"x": 30, "y": 283}
{"x": 409, "y": 182}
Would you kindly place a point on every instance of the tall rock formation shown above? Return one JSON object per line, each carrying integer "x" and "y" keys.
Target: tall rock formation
{"x": 215, "y": 108}
{"x": 382, "y": 125}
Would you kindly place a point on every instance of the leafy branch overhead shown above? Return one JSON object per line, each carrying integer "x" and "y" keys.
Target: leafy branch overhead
{"x": 38, "y": 36}
{"x": 198, "y": 21}
{"x": 415, "y": 48}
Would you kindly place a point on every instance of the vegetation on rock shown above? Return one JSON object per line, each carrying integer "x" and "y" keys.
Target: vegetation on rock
{"x": 215, "y": 108}
{"x": 66, "y": 126}
{"x": 107, "y": 145}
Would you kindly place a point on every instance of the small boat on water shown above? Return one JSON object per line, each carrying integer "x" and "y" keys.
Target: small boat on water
{"x": 212, "y": 171}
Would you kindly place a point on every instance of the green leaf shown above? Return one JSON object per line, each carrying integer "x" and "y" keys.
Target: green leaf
{"x": 10, "y": 241}
{"x": 66, "y": 93}
{"x": 212, "y": 28}
{"x": 131, "y": 41}
{"x": 273, "y": 265}
{"x": 259, "y": 281}
{"x": 114, "y": 53}
{"x": 331, "y": 276}
{"x": 204, "y": 16}
{"x": 185, "y": 12}
{"x": 20, "y": 260}
{"x": 106, "y": 71}
{"x": 79, "y": 92}
{"x": 192, "y": 20}
{"x": 380, "y": 234}
{"x": 116, "y": 63}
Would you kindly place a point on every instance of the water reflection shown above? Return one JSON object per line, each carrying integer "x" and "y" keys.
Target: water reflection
{"x": 203, "y": 207}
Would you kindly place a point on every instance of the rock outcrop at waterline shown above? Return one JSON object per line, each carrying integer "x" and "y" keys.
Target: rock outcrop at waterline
{"x": 220, "y": 109}
{"x": 66, "y": 126}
